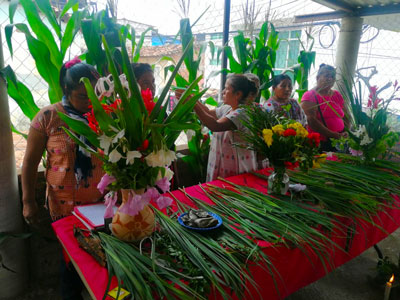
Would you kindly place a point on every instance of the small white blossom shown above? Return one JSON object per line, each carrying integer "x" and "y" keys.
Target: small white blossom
{"x": 105, "y": 142}
{"x": 366, "y": 140}
{"x": 119, "y": 135}
{"x": 205, "y": 130}
{"x": 168, "y": 174}
{"x": 131, "y": 155}
{"x": 104, "y": 87}
{"x": 190, "y": 134}
{"x": 114, "y": 156}
{"x": 161, "y": 158}
{"x": 125, "y": 84}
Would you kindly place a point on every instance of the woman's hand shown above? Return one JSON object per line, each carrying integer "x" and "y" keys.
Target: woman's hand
{"x": 30, "y": 212}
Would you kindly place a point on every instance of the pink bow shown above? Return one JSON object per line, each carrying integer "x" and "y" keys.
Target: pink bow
{"x": 72, "y": 62}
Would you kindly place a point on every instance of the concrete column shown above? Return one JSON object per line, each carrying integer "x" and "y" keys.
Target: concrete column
{"x": 348, "y": 45}
{"x": 12, "y": 251}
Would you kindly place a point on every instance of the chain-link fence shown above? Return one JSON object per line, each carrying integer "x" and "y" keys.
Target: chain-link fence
{"x": 378, "y": 49}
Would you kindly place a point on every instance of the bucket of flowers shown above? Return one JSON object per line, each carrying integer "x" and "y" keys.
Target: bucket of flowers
{"x": 134, "y": 137}
{"x": 286, "y": 144}
{"x": 370, "y": 136}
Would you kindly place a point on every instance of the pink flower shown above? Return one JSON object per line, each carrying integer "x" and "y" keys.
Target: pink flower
{"x": 163, "y": 184}
{"x": 163, "y": 202}
{"x": 134, "y": 204}
{"x": 110, "y": 200}
{"x": 104, "y": 182}
{"x": 72, "y": 62}
{"x": 356, "y": 152}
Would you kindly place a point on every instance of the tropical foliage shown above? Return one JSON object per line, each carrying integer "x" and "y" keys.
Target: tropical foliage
{"x": 370, "y": 136}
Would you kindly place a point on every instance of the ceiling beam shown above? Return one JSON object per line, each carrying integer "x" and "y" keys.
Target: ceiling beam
{"x": 336, "y": 5}
{"x": 378, "y": 10}
{"x": 321, "y": 16}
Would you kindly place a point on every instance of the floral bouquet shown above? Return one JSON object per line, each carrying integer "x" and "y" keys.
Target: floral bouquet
{"x": 370, "y": 136}
{"x": 286, "y": 144}
{"x": 134, "y": 137}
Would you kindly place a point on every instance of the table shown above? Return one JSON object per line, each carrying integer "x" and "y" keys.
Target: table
{"x": 295, "y": 268}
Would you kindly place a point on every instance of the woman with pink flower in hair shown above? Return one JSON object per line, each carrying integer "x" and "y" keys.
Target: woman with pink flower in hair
{"x": 72, "y": 174}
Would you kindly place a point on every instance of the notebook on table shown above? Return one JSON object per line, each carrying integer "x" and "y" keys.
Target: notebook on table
{"x": 91, "y": 215}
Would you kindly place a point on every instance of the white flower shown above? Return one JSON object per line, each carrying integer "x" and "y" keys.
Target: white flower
{"x": 161, "y": 158}
{"x": 204, "y": 130}
{"x": 125, "y": 84}
{"x": 168, "y": 174}
{"x": 104, "y": 87}
{"x": 189, "y": 134}
{"x": 105, "y": 142}
{"x": 119, "y": 135}
{"x": 131, "y": 155}
{"x": 366, "y": 140}
{"x": 114, "y": 156}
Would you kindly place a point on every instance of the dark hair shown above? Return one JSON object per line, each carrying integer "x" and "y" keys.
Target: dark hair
{"x": 279, "y": 78}
{"x": 140, "y": 68}
{"x": 324, "y": 68}
{"x": 241, "y": 83}
{"x": 70, "y": 79}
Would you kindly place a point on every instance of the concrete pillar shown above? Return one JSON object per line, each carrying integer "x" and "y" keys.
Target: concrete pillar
{"x": 348, "y": 45}
{"x": 12, "y": 251}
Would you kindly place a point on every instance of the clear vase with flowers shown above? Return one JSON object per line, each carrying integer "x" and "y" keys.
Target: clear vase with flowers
{"x": 134, "y": 137}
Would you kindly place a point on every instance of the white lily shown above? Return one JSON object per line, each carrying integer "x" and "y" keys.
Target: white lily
{"x": 104, "y": 87}
{"x": 168, "y": 173}
{"x": 125, "y": 84}
{"x": 105, "y": 142}
{"x": 114, "y": 156}
{"x": 119, "y": 135}
{"x": 160, "y": 158}
{"x": 131, "y": 155}
{"x": 190, "y": 134}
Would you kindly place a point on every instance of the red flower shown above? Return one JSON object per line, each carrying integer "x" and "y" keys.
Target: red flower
{"x": 115, "y": 105}
{"x": 144, "y": 146}
{"x": 92, "y": 122}
{"x": 291, "y": 166}
{"x": 148, "y": 100}
{"x": 314, "y": 139}
{"x": 289, "y": 132}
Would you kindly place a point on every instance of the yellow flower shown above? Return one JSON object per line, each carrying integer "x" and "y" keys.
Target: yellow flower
{"x": 278, "y": 129}
{"x": 319, "y": 160}
{"x": 300, "y": 130}
{"x": 267, "y": 135}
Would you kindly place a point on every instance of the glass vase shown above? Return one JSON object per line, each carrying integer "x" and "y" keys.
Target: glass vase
{"x": 278, "y": 182}
{"x": 132, "y": 228}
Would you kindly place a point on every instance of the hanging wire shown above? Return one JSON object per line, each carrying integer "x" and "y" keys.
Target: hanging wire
{"x": 333, "y": 33}
{"x": 365, "y": 29}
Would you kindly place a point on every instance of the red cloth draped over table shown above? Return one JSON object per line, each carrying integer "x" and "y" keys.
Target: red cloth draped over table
{"x": 295, "y": 268}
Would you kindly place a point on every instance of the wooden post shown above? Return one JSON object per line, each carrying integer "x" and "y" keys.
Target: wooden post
{"x": 12, "y": 251}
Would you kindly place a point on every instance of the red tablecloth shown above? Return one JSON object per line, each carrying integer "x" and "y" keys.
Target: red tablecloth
{"x": 296, "y": 269}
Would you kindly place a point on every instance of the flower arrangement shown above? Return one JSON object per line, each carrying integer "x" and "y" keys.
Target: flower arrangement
{"x": 370, "y": 136}
{"x": 286, "y": 144}
{"x": 133, "y": 135}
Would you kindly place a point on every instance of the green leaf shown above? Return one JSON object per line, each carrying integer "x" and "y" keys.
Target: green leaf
{"x": 80, "y": 128}
{"x": 12, "y": 8}
{"x": 42, "y": 32}
{"x": 70, "y": 31}
{"x": 46, "y": 69}
{"x": 74, "y": 4}
{"x": 180, "y": 127}
{"x": 13, "y": 129}
{"x": 139, "y": 45}
{"x": 8, "y": 30}
{"x": 211, "y": 101}
{"x": 92, "y": 36}
{"x": 45, "y": 7}
{"x": 20, "y": 93}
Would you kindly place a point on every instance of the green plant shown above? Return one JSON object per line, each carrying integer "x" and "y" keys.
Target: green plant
{"x": 370, "y": 137}
{"x": 305, "y": 60}
{"x": 256, "y": 56}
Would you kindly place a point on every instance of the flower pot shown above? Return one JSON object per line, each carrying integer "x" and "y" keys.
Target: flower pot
{"x": 132, "y": 228}
{"x": 278, "y": 182}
